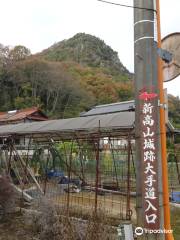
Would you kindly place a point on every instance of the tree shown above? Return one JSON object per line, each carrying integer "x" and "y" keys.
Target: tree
{"x": 19, "y": 53}
{"x": 4, "y": 55}
{"x": 174, "y": 110}
{"x": 125, "y": 91}
{"x": 46, "y": 84}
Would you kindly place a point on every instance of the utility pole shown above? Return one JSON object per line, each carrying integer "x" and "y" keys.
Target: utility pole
{"x": 148, "y": 149}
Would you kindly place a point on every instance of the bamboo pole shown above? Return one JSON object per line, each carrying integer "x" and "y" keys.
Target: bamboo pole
{"x": 28, "y": 169}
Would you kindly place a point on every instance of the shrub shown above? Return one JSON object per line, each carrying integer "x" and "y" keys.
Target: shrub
{"x": 7, "y": 194}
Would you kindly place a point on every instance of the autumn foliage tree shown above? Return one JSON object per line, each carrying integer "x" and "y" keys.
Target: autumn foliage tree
{"x": 37, "y": 82}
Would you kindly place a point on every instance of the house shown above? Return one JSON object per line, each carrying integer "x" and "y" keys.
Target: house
{"x": 26, "y": 115}
{"x": 33, "y": 114}
{"x": 126, "y": 106}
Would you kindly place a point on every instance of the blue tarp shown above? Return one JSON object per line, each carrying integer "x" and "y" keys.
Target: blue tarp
{"x": 55, "y": 173}
{"x": 175, "y": 197}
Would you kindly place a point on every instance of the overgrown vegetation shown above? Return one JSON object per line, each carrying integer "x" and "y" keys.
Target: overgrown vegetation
{"x": 175, "y": 222}
{"x": 51, "y": 223}
{"x": 174, "y": 110}
{"x": 7, "y": 195}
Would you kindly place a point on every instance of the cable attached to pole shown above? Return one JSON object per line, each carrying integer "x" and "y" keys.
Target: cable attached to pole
{"x": 127, "y": 6}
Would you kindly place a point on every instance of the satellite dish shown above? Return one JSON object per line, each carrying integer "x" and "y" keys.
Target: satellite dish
{"x": 171, "y": 43}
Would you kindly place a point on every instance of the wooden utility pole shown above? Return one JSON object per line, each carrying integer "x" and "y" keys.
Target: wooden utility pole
{"x": 147, "y": 133}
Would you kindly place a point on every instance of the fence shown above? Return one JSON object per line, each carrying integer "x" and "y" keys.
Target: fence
{"x": 80, "y": 176}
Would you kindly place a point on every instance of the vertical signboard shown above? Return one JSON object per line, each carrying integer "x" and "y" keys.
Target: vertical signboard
{"x": 149, "y": 158}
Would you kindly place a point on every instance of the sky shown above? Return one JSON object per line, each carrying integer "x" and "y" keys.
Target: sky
{"x": 37, "y": 24}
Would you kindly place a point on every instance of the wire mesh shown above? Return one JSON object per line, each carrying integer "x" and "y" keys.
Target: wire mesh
{"x": 80, "y": 176}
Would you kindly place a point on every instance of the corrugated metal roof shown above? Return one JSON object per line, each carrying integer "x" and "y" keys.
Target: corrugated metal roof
{"x": 111, "y": 108}
{"x": 116, "y": 121}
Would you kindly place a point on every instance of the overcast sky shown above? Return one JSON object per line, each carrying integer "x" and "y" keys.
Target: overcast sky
{"x": 37, "y": 24}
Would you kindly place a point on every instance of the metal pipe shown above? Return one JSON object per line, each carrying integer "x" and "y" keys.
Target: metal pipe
{"x": 167, "y": 224}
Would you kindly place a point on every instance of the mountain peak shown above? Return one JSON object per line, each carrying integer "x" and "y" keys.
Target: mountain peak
{"x": 86, "y": 50}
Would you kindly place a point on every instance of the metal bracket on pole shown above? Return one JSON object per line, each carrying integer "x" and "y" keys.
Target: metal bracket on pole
{"x": 164, "y": 55}
{"x": 162, "y": 105}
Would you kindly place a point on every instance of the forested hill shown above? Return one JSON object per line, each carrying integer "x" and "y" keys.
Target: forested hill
{"x": 87, "y": 50}
{"x": 67, "y": 78}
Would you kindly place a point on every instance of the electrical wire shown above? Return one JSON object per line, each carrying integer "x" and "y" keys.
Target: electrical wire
{"x": 128, "y": 6}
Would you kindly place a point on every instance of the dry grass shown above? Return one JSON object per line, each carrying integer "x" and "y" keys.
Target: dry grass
{"x": 7, "y": 195}
{"x": 13, "y": 227}
{"x": 175, "y": 222}
{"x": 55, "y": 225}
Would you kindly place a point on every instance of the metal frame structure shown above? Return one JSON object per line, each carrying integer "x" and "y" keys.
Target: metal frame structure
{"x": 96, "y": 151}
{"x": 105, "y": 172}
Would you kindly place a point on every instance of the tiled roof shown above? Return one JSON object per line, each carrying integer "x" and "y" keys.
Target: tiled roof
{"x": 30, "y": 113}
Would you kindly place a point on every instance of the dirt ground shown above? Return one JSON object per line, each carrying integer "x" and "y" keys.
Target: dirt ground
{"x": 112, "y": 205}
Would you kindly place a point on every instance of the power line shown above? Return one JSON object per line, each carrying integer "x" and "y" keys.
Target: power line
{"x": 128, "y": 6}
